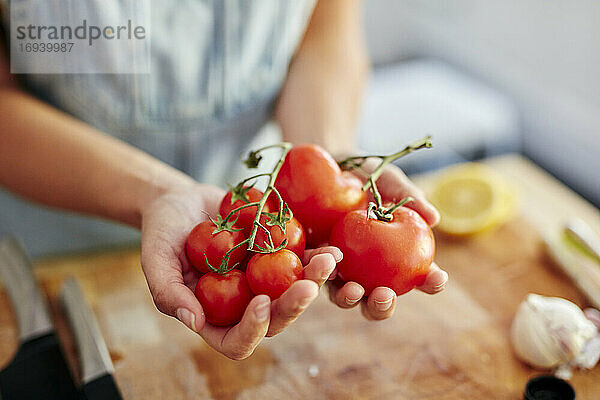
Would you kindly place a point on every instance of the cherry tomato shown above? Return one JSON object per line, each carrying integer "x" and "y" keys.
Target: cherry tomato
{"x": 294, "y": 233}
{"x": 396, "y": 254}
{"x": 202, "y": 242}
{"x": 246, "y": 215}
{"x": 273, "y": 273}
{"x": 318, "y": 191}
{"x": 224, "y": 298}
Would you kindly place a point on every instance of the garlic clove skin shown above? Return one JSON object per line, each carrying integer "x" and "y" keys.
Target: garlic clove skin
{"x": 549, "y": 331}
{"x": 589, "y": 356}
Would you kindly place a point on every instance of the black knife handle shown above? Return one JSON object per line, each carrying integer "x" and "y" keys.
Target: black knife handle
{"x": 29, "y": 305}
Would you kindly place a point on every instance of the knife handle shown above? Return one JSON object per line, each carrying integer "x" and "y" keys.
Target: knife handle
{"x": 94, "y": 356}
{"x": 29, "y": 305}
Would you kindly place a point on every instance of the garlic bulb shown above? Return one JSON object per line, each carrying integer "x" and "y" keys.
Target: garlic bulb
{"x": 549, "y": 332}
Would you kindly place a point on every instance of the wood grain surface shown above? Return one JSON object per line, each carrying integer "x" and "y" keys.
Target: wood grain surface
{"x": 453, "y": 345}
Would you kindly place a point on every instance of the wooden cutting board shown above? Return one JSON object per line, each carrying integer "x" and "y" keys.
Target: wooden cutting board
{"x": 453, "y": 345}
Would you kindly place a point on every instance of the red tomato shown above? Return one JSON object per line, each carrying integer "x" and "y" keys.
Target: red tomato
{"x": 318, "y": 191}
{"x": 273, "y": 273}
{"x": 224, "y": 298}
{"x": 202, "y": 242}
{"x": 246, "y": 215}
{"x": 294, "y": 233}
{"x": 394, "y": 254}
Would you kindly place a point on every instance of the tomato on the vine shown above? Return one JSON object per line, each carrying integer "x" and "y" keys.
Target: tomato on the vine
{"x": 224, "y": 298}
{"x": 396, "y": 254}
{"x": 318, "y": 191}
{"x": 201, "y": 242}
{"x": 245, "y": 195}
{"x": 273, "y": 273}
{"x": 294, "y": 233}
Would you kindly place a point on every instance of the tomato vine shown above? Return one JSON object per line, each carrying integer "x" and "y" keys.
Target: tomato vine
{"x": 356, "y": 162}
{"x": 283, "y": 215}
{"x": 376, "y": 209}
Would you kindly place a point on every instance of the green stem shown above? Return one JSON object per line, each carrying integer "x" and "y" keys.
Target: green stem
{"x": 254, "y": 155}
{"x": 254, "y": 177}
{"x": 224, "y": 268}
{"x": 268, "y": 233}
{"x": 280, "y": 200}
{"x": 376, "y": 194}
{"x": 399, "y": 204}
{"x": 286, "y": 146}
{"x": 270, "y": 186}
{"x": 357, "y": 162}
{"x": 423, "y": 143}
{"x": 235, "y": 210}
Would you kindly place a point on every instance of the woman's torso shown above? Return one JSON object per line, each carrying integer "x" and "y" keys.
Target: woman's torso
{"x": 216, "y": 68}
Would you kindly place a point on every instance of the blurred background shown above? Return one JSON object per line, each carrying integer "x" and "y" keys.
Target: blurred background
{"x": 487, "y": 77}
{"x": 483, "y": 77}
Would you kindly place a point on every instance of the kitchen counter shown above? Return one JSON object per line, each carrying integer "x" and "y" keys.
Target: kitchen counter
{"x": 453, "y": 345}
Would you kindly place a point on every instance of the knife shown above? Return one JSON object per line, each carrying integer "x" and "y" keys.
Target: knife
{"x": 96, "y": 366}
{"x": 573, "y": 251}
{"x": 583, "y": 234}
{"x": 38, "y": 369}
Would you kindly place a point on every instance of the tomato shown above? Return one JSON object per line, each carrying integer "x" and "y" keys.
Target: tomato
{"x": 246, "y": 215}
{"x": 395, "y": 254}
{"x": 294, "y": 233}
{"x": 202, "y": 242}
{"x": 224, "y": 298}
{"x": 318, "y": 191}
{"x": 273, "y": 273}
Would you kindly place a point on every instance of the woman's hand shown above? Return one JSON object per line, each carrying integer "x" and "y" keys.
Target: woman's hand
{"x": 166, "y": 222}
{"x": 393, "y": 185}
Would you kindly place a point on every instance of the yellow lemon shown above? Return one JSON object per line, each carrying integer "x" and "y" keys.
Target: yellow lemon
{"x": 471, "y": 198}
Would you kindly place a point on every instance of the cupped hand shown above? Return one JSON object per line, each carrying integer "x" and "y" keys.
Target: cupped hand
{"x": 166, "y": 222}
{"x": 268, "y": 318}
{"x": 394, "y": 186}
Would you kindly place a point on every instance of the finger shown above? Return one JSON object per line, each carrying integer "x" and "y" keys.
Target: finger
{"x": 345, "y": 294}
{"x": 190, "y": 274}
{"x": 211, "y": 196}
{"x": 239, "y": 341}
{"x": 291, "y": 304}
{"x": 394, "y": 186}
{"x": 380, "y": 304}
{"x": 320, "y": 268}
{"x": 333, "y": 286}
{"x": 436, "y": 280}
{"x": 310, "y": 253}
{"x": 170, "y": 294}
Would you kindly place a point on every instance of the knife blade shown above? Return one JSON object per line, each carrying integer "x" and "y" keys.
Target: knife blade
{"x": 38, "y": 369}
{"x": 583, "y": 234}
{"x": 97, "y": 369}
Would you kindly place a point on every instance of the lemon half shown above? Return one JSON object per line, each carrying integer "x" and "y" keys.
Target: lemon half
{"x": 472, "y": 198}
